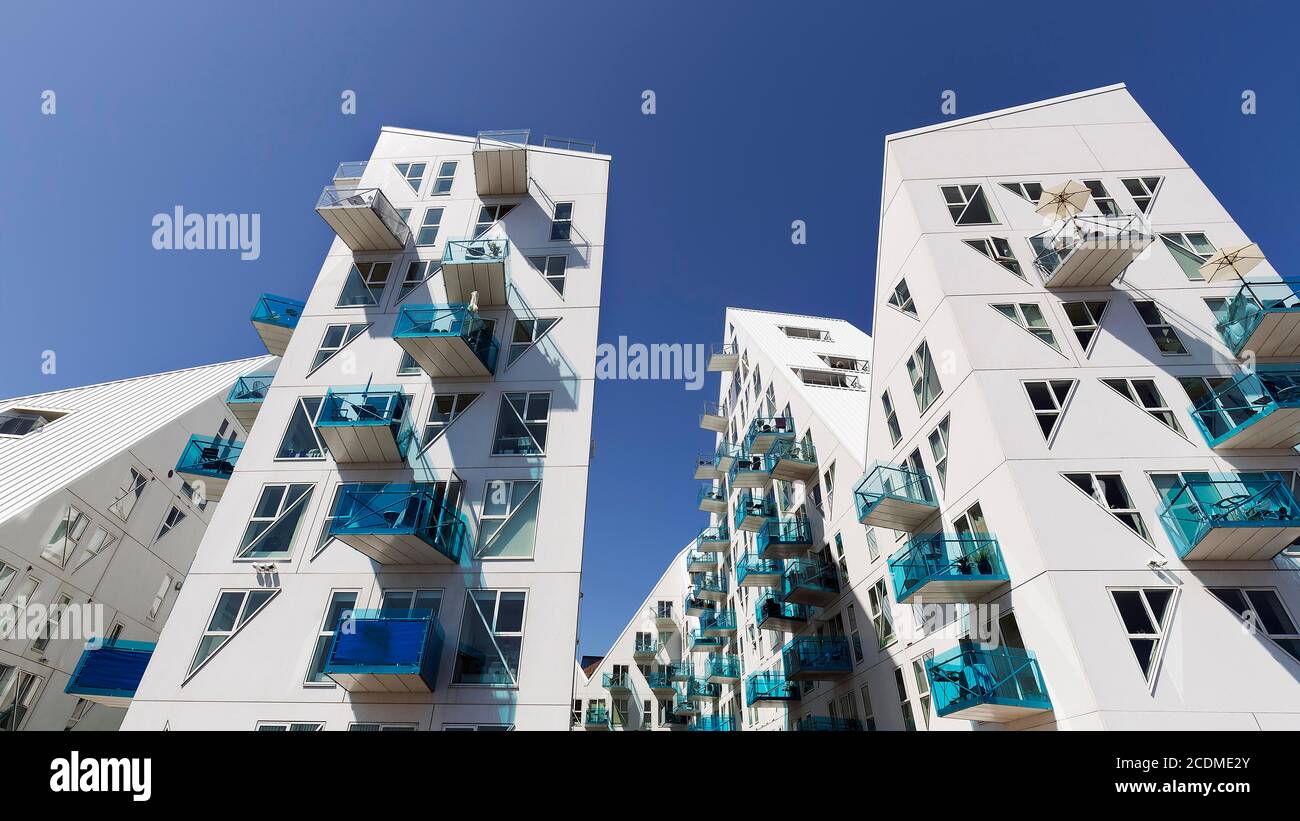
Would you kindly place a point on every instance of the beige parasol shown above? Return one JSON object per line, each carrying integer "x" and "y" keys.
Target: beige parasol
{"x": 1063, "y": 200}
{"x": 1236, "y": 260}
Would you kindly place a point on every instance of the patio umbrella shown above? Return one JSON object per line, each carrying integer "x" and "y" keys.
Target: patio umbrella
{"x": 1236, "y": 260}
{"x": 1063, "y": 200}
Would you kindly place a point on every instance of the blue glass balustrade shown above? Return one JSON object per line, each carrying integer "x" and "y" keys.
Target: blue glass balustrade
{"x": 986, "y": 683}
{"x": 821, "y": 724}
{"x": 697, "y": 562}
{"x": 714, "y": 724}
{"x": 700, "y": 641}
{"x": 420, "y": 324}
{"x": 1254, "y": 410}
{"x": 792, "y": 461}
{"x": 766, "y": 431}
{"x": 753, "y": 570}
{"x": 895, "y": 497}
{"x": 752, "y": 471}
{"x": 816, "y": 658}
{"x": 472, "y": 251}
{"x": 811, "y": 582}
{"x": 617, "y": 682}
{"x": 109, "y": 672}
{"x": 712, "y": 499}
{"x": 769, "y": 686}
{"x": 371, "y": 424}
{"x": 1245, "y": 516}
{"x": 386, "y": 650}
{"x": 251, "y": 388}
{"x": 752, "y": 512}
{"x": 946, "y": 568}
{"x": 701, "y": 689}
{"x": 1263, "y": 317}
{"x": 771, "y": 612}
{"x": 476, "y": 266}
{"x": 278, "y": 310}
{"x": 696, "y": 605}
{"x": 647, "y": 647}
{"x": 394, "y": 523}
{"x": 209, "y": 457}
{"x": 710, "y": 585}
{"x": 1089, "y": 250}
{"x": 659, "y": 680}
{"x": 681, "y": 671}
{"x": 713, "y": 539}
{"x": 718, "y": 622}
{"x": 596, "y": 718}
{"x": 784, "y": 538}
{"x": 720, "y": 667}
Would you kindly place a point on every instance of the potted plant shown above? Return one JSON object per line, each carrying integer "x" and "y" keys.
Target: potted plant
{"x": 983, "y": 561}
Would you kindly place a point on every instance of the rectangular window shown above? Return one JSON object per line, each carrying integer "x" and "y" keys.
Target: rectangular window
{"x": 1107, "y": 490}
{"x": 1085, "y": 320}
{"x": 428, "y": 231}
{"x": 1105, "y": 202}
{"x": 878, "y": 608}
{"x": 924, "y": 377}
{"x": 891, "y": 419}
{"x": 508, "y": 524}
{"x": 300, "y": 440}
{"x": 174, "y": 517}
{"x": 1143, "y": 191}
{"x": 372, "y": 727}
{"x": 868, "y": 714}
{"x": 575, "y": 717}
{"x": 442, "y": 183}
{"x": 904, "y": 705}
{"x": 1190, "y": 250}
{"x": 7, "y": 574}
{"x": 491, "y": 638}
{"x": 446, "y": 408}
{"x": 335, "y": 339}
{"x": 489, "y": 215}
{"x": 562, "y": 222}
{"x": 922, "y": 687}
{"x": 131, "y": 493}
{"x": 855, "y": 636}
{"x": 901, "y": 298}
{"x": 407, "y": 366}
{"x": 1262, "y": 610}
{"x": 17, "y": 422}
{"x": 1162, "y": 333}
{"x": 522, "y": 424}
{"x": 815, "y": 334}
{"x": 873, "y": 549}
{"x": 967, "y": 205}
{"x": 274, "y": 524}
{"x": 938, "y": 439}
{"x": 413, "y": 602}
{"x": 553, "y": 268}
{"x": 51, "y": 627}
{"x": 289, "y": 727}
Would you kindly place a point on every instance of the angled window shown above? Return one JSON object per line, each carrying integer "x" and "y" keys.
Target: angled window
{"x": 323, "y": 540}
{"x": 340, "y": 606}
{"x": 998, "y": 250}
{"x": 1190, "y": 250}
{"x": 924, "y": 378}
{"x": 18, "y": 691}
{"x": 1108, "y": 491}
{"x": 562, "y": 222}
{"x": 1146, "y": 614}
{"x": 901, "y": 298}
{"x": 164, "y": 587}
{"x": 815, "y": 334}
{"x": 130, "y": 494}
{"x": 508, "y": 525}
{"x": 412, "y": 172}
{"x": 491, "y": 638}
{"x": 336, "y": 339}
{"x": 878, "y": 609}
{"x": 173, "y": 518}
{"x": 364, "y": 284}
{"x": 522, "y": 423}
{"x": 488, "y": 215}
{"x": 1030, "y": 317}
{"x": 7, "y": 574}
{"x": 442, "y": 183}
{"x": 22, "y": 421}
{"x": 1143, "y": 190}
{"x": 967, "y": 205}
{"x": 446, "y": 408}
{"x": 891, "y": 419}
{"x": 274, "y": 524}
{"x": 1162, "y": 333}
{"x": 428, "y": 231}
{"x": 526, "y": 335}
{"x": 553, "y": 268}
{"x": 99, "y": 541}
{"x": 1263, "y": 612}
{"x": 1048, "y": 398}
{"x": 938, "y": 439}
{"x": 407, "y": 366}
{"x": 66, "y": 533}
{"x": 300, "y": 440}
{"x": 1104, "y": 201}
{"x": 1029, "y": 191}
{"x": 418, "y": 272}
{"x": 234, "y": 609}
{"x": 1085, "y": 320}
{"x": 1145, "y": 394}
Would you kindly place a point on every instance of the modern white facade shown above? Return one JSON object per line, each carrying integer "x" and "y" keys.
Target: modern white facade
{"x": 420, "y": 461}
{"x": 98, "y": 529}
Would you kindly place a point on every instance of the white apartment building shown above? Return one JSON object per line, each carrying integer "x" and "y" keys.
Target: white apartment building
{"x": 99, "y": 522}
{"x": 1093, "y": 452}
{"x": 400, "y": 544}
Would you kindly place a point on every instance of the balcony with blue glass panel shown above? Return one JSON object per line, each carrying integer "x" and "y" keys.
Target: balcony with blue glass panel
{"x": 501, "y": 163}
{"x": 715, "y": 417}
{"x": 701, "y": 562}
{"x": 766, "y": 431}
{"x": 681, "y": 671}
{"x": 646, "y": 649}
{"x": 684, "y": 706}
{"x": 792, "y": 461}
{"x": 1089, "y": 250}
{"x": 660, "y": 683}
{"x": 702, "y": 642}
{"x": 366, "y": 425}
{"x": 810, "y": 582}
{"x": 447, "y": 341}
{"x": 363, "y": 218}
{"x": 817, "y": 658}
{"x": 720, "y": 668}
{"x": 1258, "y": 410}
{"x": 714, "y": 466}
{"x": 274, "y": 318}
{"x": 895, "y": 497}
{"x": 979, "y": 683}
{"x": 479, "y": 266}
{"x": 210, "y": 460}
{"x": 618, "y": 683}
{"x": 750, "y": 472}
{"x": 386, "y": 651}
{"x": 827, "y": 724}
{"x": 401, "y": 524}
{"x": 1232, "y": 517}
{"x": 941, "y": 568}
{"x": 701, "y": 689}
{"x": 769, "y": 687}
{"x": 786, "y": 538}
{"x": 772, "y": 612}
{"x": 697, "y": 605}
{"x": 711, "y": 586}
{"x": 1264, "y": 317}
{"x": 752, "y": 570}
{"x": 596, "y": 718}
{"x": 718, "y": 623}
{"x": 715, "y": 539}
{"x": 723, "y": 358}
{"x": 109, "y": 672}
{"x": 752, "y": 511}
{"x": 712, "y": 724}
{"x": 713, "y": 499}
{"x": 247, "y": 395}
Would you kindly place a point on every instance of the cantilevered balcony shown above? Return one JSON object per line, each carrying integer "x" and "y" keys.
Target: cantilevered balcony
{"x": 1234, "y": 517}
{"x": 711, "y": 586}
{"x": 476, "y": 265}
{"x": 751, "y": 472}
{"x": 895, "y": 497}
{"x": 753, "y": 570}
{"x": 771, "y": 612}
{"x": 398, "y": 524}
{"x": 697, "y": 605}
{"x": 646, "y": 649}
{"x": 718, "y": 623}
{"x": 350, "y": 173}
{"x": 701, "y": 689}
{"x": 784, "y": 538}
{"x": 371, "y": 424}
{"x": 697, "y": 562}
{"x": 684, "y": 706}
{"x": 942, "y": 568}
{"x": 1255, "y": 410}
{"x": 363, "y": 218}
{"x": 501, "y": 163}
{"x": 702, "y": 642}
{"x": 714, "y": 466}
{"x": 618, "y": 683}
{"x": 712, "y": 724}
{"x": 660, "y": 683}
{"x": 978, "y": 683}
{"x": 109, "y": 673}
{"x": 596, "y": 718}
{"x": 1089, "y": 250}
{"x": 447, "y": 341}
{"x": 715, "y": 539}
{"x": 663, "y": 616}
{"x": 246, "y": 397}
{"x": 713, "y": 499}
{"x": 769, "y": 687}
{"x": 210, "y": 460}
{"x": 810, "y": 582}
{"x": 766, "y": 431}
{"x": 721, "y": 668}
{"x": 752, "y": 512}
{"x": 714, "y": 417}
{"x": 1264, "y": 317}
{"x": 823, "y": 724}
{"x": 793, "y": 461}
{"x": 681, "y": 671}
{"x": 386, "y": 651}
{"x": 274, "y": 318}
{"x": 724, "y": 358}
{"x": 817, "y": 658}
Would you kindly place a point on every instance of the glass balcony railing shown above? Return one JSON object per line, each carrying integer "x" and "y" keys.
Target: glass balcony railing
{"x": 684, "y": 705}
{"x": 701, "y": 640}
{"x": 713, "y": 724}
{"x": 696, "y": 605}
{"x": 659, "y": 680}
{"x": 712, "y": 499}
{"x": 772, "y": 613}
{"x": 821, "y": 724}
{"x": 650, "y": 647}
{"x": 811, "y": 582}
{"x": 350, "y": 419}
{"x": 110, "y": 672}
{"x": 596, "y": 718}
{"x": 209, "y": 457}
{"x": 617, "y": 682}
{"x": 497, "y": 140}
{"x": 770, "y": 685}
{"x": 722, "y": 667}
{"x": 751, "y": 471}
{"x": 277, "y": 310}
{"x": 816, "y": 658}
{"x": 697, "y": 562}
{"x": 1089, "y": 249}
{"x": 681, "y": 671}
{"x": 947, "y": 568}
{"x": 470, "y": 251}
{"x": 752, "y": 512}
{"x": 713, "y": 539}
{"x": 986, "y": 683}
{"x": 766, "y": 431}
{"x": 373, "y": 201}
{"x": 568, "y": 144}
{"x": 753, "y": 570}
{"x": 1263, "y": 317}
{"x": 718, "y": 621}
{"x": 723, "y": 357}
{"x": 399, "y": 647}
{"x": 449, "y": 321}
{"x": 701, "y": 689}
{"x": 792, "y": 461}
{"x": 250, "y": 389}
{"x": 710, "y": 585}
{"x": 351, "y": 170}
{"x": 393, "y": 513}
{"x": 1229, "y": 516}
{"x": 1245, "y": 411}
{"x": 714, "y": 417}
{"x": 895, "y": 497}
{"x": 784, "y": 538}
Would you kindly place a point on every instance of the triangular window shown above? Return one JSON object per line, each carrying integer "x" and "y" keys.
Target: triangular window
{"x": 1029, "y": 316}
{"x": 274, "y": 523}
{"x": 528, "y": 332}
{"x": 233, "y": 610}
{"x": 364, "y": 284}
{"x": 1143, "y": 190}
{"x": 412, "y": 172}
{"x": 1048, "y": 398}
{"x": 1145, "y": 394}
{"x": 1147, "y": 614}
{"x": 901, "y": 299}
{"x": 336, "y": 339}
{"x": 1085, "y": 319}
{"x": 508, "y": 524}
{"x": 1031, "y": 192}
{"x": 998, "y": 250}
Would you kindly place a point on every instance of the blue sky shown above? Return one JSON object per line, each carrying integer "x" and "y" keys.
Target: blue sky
{"x": 767, "y": 112}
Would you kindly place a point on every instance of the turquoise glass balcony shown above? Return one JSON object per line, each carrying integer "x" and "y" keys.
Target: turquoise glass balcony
{"x": 751, "y": 472}
{"x": 715, "y": 539}
{"x": 363, "y": 218}
{"x": 769, "y": 687}
{"x": 596, "y": 718}
{"x": 766, "y": 431}
{"x": 895, "y": 497}
{"x": 1264, "y": 317}
{"x": 211, "y": 461}
{"x": 823, "y": 724}
{"x": 1089, "y": 250}
{"x": 684, "y": 706}
{"x": 784, "y": 538}
{"x": 479, "y": 266}
{"x": 399, "y": 524}
{"x": 109, "y": 673}
{"x": 772, "y": 613}
{"x": 447, "y": 341}
{"x": 713, "y": 499}
{"x": 386, "y": 651}
{"x": 714, "y": 466}
{"x": 947, "y": 569}
{"x": 702, "y": 642}
{"x": 720, "y": 668}
{"x": 701, "y": 562}
{"x": 501, "y": 163}
{"x": 701, "y": 689}
{"x": 697, "y": 605}
{"x": 1241, "y": 517}
{"x": 714, "y": 417}
{"x": 752, "y": 512}
{"x": 753, "y": 570}
{"x": 718, "y": 623}
{"x": 817, "y": 658}
{"x": 274, "y": 318}
{"x": 617, "y": 683}
{"x": 711, "y": 586}
{"x": 681, "y": 671}
{"x": 978, "y": 683}
{"x": 247, "y": 395}
{"x": 1255, "y": 410}
{"x": 371, "y": 424}
{"x": 646, "y": 650}
{"x": 660, "y": 682}
{"x": 723, "y": 358}
{"x": 713, "y": 724}
{"x": 793, "y": 461}
{"x": 810, "y": 582}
